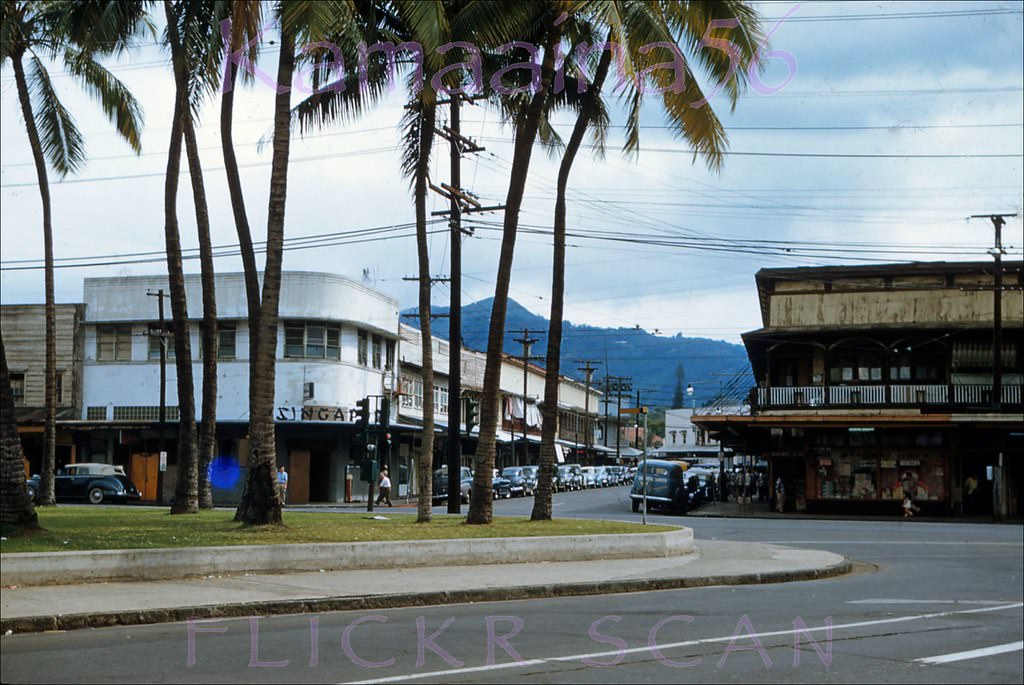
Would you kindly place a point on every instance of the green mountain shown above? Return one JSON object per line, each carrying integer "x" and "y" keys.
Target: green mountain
{"x": 712, "y": 367}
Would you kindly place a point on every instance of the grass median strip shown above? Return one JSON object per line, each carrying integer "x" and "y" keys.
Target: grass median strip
{"x": 82, "y": 528}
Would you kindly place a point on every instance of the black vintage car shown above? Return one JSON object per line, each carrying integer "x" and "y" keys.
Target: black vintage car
{"x": 666, "y": 486}
{"x": 93, "y": 482}
{"x": 440, "y": 489}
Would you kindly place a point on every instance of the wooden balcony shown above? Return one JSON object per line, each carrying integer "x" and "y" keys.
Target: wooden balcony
{"x": 880, "y": 395}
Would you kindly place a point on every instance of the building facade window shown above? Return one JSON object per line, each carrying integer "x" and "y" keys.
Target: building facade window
{"x": 226, "y": 339}
{"x": 18, "y": 388}
{"x": 154, "y": 340}
{"x": 59, "y": 388}
{"x": 440, "y": 399}
{"x": 378, "y": 345}
{"x": 114, "y": 343}
{"x": 363, "y": 349}
{"x": 856, "y": 368}
{"x": 311, "y": 340}
{"x": 412, "y": 392}
{"x": 389, "y": 361}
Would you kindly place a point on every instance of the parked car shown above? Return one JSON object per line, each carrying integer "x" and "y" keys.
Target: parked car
{"x": 577, "y": 476}
{"x": 440, "y": 489}
{"x": 666, "y": 486}
{"x": 520, "y": 484}
{"x": 501, "y": 488}
{"x": 589, "y": 477}
{"x": 563, "y": 479}
{"x": 532, "y": 476}
{"x": 603, "y": 477}
{"x": 93, "y": 482}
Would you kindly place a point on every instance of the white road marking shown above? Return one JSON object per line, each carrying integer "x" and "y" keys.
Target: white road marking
{"x": 944, "y": 543}
{"x": 926, "y": 601}
{"x": 973, "y": 654}
{"x": 672, "y": 645}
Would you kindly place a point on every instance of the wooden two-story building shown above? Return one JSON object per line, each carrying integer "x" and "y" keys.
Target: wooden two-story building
{"x": 875, "y": 382}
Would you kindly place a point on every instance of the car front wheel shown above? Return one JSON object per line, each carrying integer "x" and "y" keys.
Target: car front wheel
{"x": 636, "y": 506}
{"x": 96, "y": 495}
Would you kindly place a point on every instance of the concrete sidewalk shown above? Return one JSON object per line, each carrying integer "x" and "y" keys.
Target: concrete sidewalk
{"x": 67, "y": 607}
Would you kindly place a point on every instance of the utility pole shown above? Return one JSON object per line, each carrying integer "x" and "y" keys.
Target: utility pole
{"x": 162, "y": 336}
{"x": 618, "y": 384}
{"x": 460, "y": 201}
{"x": 455, "y": 325}
{"x": 998, "y": 483}
{"x": 527, "y": 342}
{"x": 588, "y": 371}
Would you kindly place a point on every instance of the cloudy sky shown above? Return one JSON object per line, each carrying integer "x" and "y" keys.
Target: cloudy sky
{"x": 894, "y": 122}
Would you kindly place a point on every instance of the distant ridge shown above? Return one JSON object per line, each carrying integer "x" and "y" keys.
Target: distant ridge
{"x": 711, "y": 366}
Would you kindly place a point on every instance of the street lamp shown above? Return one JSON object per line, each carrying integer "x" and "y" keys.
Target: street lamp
{"x": 689, "y": 393}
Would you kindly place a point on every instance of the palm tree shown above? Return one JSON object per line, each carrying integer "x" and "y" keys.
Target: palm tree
{"x": 74, "y": 34}
{"x": 310, "y": 22}
{"x": 15, "y": 505}
{"x": 186, "y": 493}
{"x": 430, "y": 25}
{"x": 633, "y": 25}
{"x": 527, "y": 123}
{"x": 199, "y": 44}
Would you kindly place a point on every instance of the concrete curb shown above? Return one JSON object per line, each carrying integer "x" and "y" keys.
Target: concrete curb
{"x": 47, "y": 568}
{"x": 34, "y": 624}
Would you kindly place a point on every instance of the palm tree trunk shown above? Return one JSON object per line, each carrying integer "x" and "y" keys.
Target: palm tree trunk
{"x": 15, "y": 506}
{"x": 260, "y": 505}
{"x": 542, "y": 499}
{"x": 252, "y": 281}
{"x": 425, "y": 463}
{"x": 186, "y": 500}
{"x": 481, "y": 509}
{"x": 46, "y": 494}
{"x": 210, "y": 346}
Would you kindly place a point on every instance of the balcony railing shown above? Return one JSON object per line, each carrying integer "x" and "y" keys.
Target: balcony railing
{"x": 884, "y": 395}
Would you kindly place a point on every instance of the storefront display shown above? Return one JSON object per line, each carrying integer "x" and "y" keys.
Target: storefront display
{"x": 860, "y": 475}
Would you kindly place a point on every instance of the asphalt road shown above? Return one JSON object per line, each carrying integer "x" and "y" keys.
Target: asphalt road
{"x": 928, "y": 603}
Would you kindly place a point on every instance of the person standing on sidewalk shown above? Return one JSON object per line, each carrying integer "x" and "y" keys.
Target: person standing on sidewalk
{"x": 780, "y": 495}
{"x": 282, "y": 485}
{"x": 384, "y": 484}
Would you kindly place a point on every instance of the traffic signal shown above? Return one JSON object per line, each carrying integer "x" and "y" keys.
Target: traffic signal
{"x": 363, "y": 413}
{"x": 385, "y": 414}
{"x": 472, "y": 414}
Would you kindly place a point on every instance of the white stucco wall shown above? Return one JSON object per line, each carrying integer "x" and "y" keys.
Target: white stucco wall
{"x": 305, "y": 296}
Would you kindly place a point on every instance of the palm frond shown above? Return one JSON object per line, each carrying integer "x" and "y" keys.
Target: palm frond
{"x": 117, "y": 102}
{"x": 62, "y": 142}
{"x": 104, "y": 26}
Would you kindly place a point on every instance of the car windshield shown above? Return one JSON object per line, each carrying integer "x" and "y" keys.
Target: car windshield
{"x": 510, "y": 471}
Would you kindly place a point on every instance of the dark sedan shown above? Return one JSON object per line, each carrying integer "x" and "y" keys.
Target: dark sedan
{"x": 519, "y": 483}
{"x": 665, "y": 485}
{"x": 440, "y": 489}
{"x": 93, "y": 482}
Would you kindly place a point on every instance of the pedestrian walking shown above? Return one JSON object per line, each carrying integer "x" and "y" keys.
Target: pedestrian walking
{"x": 384, "y": 483}
{"x": 282, "y": 485}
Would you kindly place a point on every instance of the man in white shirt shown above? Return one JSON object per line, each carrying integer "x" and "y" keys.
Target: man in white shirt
{"x": 384, "y": 483}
